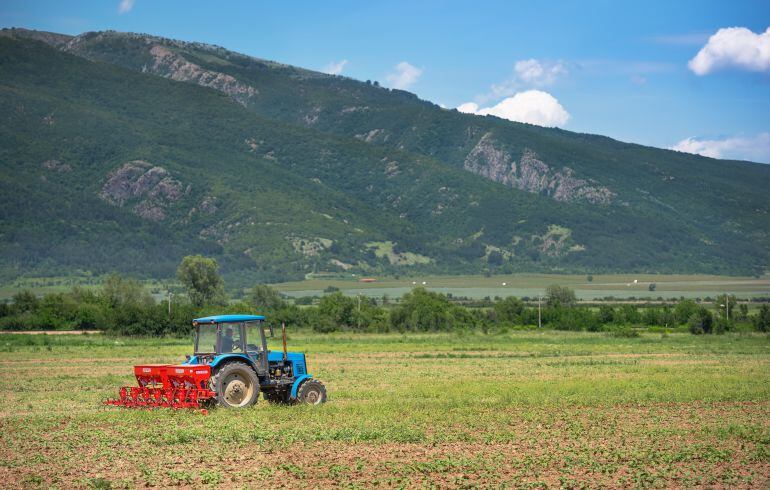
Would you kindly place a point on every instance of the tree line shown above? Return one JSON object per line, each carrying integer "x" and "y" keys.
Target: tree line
{"x": 123, "y": 306}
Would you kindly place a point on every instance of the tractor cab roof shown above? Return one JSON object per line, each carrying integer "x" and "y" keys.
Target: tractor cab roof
{"x": 229, "y": 319}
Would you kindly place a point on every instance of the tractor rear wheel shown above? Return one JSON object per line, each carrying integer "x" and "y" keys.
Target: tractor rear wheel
{"x": 312, "y": 392}
{"x": 236, "y": 385}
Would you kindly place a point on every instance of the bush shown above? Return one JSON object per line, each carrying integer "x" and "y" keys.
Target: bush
{"x": 573, "y": 319}
{"x": 761, "y": 320}
{"x": 89, "y": 317}
{"x": 628, "y": 314}
{"x": 701, "y": 322}
{"x": 559, "y": 296}
{"x": 684, "y": 310}
{"x": 508, "y": 310}
{"x": 336, "y": 308}
{"x": 25, "y": 301}
{"x": 20, "y": 322}
{"x": 264, "y": 298}
{"x": 422, "y": 310}
{"x": 324, "y": 325}
{"x": 606, "y": 314}
{"x": 722, "y": 325}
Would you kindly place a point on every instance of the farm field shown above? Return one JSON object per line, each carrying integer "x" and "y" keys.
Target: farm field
{"x": 521, "y": 409}
{"x": 472, "y": 286}
{"x": 479, "y": 286}
{"x": 62, "y": 284}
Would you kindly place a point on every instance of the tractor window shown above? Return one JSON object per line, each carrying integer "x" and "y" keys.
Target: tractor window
{"x": 206, "y": 339}
{"x": 231, "y": 338}
{"x": 253, "y": 337}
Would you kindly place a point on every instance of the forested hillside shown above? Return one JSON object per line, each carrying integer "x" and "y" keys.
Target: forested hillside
{"x": 126, "y": 152}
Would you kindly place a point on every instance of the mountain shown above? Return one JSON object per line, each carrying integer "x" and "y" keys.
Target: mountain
{"x": 127, "y": 151}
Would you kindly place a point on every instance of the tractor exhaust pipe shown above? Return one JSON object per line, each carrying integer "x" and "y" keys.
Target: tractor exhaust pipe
{"x": 283, "y": 334}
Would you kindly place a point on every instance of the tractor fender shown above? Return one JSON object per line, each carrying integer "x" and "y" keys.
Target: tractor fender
{"x": 300, "y": 379}
{"x": 225, "y": 358}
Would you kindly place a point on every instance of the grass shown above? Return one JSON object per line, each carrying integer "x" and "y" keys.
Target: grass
{"x": 518, "y": 409}
{"x": 385, "y": 249}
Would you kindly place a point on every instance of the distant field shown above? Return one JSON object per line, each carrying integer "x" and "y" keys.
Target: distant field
{"x": 472, "y": 286}
{"x": 63, "y": 284}
{"x": 526, "y": 409}
{"x": 617, "y": 285}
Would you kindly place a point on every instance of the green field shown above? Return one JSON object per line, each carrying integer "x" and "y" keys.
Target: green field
{"x": 479, "y": 286}
{"x": 471, "y": 286}
{"x": 523, "y": 409}
{"x": 64, "y": 284}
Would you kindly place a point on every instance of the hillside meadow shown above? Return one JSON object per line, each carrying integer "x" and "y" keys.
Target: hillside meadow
{"x": 523, "y": 409}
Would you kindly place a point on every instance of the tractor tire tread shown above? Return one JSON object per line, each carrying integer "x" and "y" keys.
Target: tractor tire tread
{"x": 307, "y": 386}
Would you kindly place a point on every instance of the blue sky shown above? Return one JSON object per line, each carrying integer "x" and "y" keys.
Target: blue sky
{"x": 607, "y": 67}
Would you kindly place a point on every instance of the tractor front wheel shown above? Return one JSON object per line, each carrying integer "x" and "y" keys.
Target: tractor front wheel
{"x": 236, "y": 385}
{"x": 312, "y": 392}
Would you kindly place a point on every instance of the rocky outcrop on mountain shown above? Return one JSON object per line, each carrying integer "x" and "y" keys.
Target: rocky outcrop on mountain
{"x": 169, "y": 64}
{"x": 152, "y": 186}
{"x": 556, "y": 242}
{"x": 309, "y": 247}
{"x": 374, "y": 136}
{"x": 209, "y": 205}
{"x": 488, "y": 161}
{"x": 391, "y": 169}
{"x": 166, "y": 60}
{"x": 532, "y": 174}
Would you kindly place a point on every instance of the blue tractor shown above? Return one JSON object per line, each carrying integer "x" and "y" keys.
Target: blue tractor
{"x": 234, "y": 347}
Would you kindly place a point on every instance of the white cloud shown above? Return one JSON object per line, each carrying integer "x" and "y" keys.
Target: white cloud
{"x": 468, "y": 108}
{"x": 733, "y": 47}
{"x": 404, "y": 76}
{"x": 529, "y": 73}
{"x": 539, "y": 73}
{"x": 755, "y": 148}
{"x": 125, "y": 6}
{"x": 532, "y": 106}
{"x": 335, "y": 67}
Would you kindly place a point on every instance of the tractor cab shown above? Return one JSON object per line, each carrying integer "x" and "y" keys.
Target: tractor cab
{"x": 223, "y": 335}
